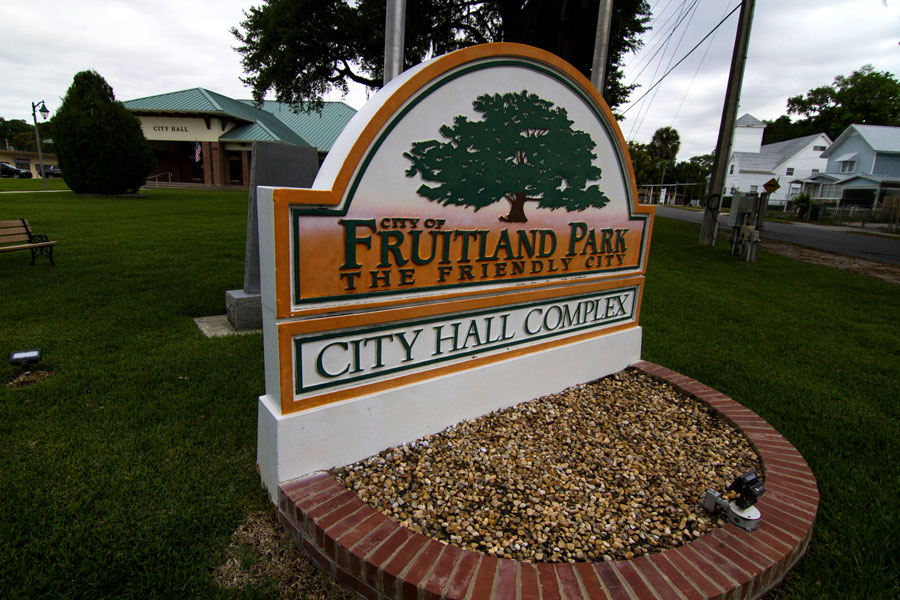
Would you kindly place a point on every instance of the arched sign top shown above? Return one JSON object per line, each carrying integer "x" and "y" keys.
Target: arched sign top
{"x": 380, "y": 115}
{"x": 492, "y": 167}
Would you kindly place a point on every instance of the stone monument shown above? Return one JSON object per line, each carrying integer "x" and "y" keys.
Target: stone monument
{"x": 274, "y": 164}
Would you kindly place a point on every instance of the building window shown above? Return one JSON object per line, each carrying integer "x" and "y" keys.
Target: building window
{"x": 790, "y": 171}
{"x": 848, "y": 166}
{"x": 818, "y": 148}
{"x": 830, "y": 190}
{"x": 754, "y": 189}
{"x": 815, "y": 171}
{"x": 731, "y": 170}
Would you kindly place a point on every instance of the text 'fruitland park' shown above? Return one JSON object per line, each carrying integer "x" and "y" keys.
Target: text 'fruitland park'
{"x": 393, "y": 247}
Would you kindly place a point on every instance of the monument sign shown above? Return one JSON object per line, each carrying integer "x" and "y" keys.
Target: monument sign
{"x": 472, "y": 241}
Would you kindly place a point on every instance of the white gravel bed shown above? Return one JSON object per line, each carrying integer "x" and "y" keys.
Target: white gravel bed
{"x": 608, "y": 470}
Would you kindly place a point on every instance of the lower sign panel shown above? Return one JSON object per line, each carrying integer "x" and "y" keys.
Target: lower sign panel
{"x": 338, "y": 360}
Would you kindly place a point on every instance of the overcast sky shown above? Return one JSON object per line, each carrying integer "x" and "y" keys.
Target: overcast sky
{"x": 145, "y": 48}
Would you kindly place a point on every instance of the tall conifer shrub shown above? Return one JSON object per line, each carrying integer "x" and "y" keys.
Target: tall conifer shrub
{"x": 99, "y": 142}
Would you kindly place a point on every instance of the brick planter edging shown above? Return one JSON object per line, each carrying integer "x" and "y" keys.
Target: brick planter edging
{"x": 378, "y": 559}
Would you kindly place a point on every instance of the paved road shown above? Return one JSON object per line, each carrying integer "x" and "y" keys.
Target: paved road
{"x": 849, "y": 241}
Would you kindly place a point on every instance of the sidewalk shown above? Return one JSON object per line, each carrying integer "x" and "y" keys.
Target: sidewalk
{"x": 879, "y": 228}
{"x": 30, "y": 191}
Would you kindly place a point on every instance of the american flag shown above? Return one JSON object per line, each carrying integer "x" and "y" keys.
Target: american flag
{"x": 196, "y": 151}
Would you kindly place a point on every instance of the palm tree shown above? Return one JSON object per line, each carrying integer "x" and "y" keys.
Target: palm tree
{"x": 665, "y": 144}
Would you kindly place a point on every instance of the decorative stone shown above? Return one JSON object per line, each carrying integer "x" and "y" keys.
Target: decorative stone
{"x": 616, "y": 467}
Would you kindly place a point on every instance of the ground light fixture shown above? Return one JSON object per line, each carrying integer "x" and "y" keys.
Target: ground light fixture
{"x": 25, "y": 358}
{"x": 740, "y": 511}
{"x": 37, "y": 138}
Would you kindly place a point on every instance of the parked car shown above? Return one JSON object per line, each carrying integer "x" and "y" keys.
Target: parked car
{"x": 51, "y": 171}
{"x": 7, "y": 170}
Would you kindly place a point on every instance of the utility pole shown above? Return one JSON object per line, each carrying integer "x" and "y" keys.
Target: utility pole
{"x": 394, "y": 31}
{"x": 601, "y": 45}
{"x": 726, "y": 127}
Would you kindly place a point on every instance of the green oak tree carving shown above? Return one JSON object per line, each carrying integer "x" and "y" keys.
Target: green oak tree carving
{"x": 523, "y": 149}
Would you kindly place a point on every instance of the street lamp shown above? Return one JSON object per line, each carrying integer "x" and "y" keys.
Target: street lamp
{"x": 44, "y": 112}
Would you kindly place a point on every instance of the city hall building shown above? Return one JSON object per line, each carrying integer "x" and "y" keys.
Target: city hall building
{"x": 202, "y": 137}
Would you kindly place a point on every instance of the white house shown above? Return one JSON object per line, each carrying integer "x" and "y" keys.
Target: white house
{"x": 863, "y": 167}
{"x": 789, "y": 163}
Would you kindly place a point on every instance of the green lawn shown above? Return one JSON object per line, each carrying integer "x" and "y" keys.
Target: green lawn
{"x": 126, "y": 472}
{"x": 28, "y": 185}
{"x": 815, "y": 352}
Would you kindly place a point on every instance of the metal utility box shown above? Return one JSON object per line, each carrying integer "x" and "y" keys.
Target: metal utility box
{"x": 742, "y": 206}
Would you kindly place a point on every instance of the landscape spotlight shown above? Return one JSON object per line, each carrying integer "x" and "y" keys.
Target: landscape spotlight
{"x": 24, "y": 358}
{"x": 749, "y": 488}
{"x": 741, "y": 512}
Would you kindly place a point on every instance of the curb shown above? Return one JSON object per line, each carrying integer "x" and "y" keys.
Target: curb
{"x": 378, "y": 559}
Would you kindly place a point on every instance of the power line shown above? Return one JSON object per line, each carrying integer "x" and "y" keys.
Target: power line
{"x": 665, "y": 43}
{"x": 656, "y": 30}
{"x": 684, "y": 12}
{"x": 683, "y": 58}
{"x": 696, "y": 72}
{"x": 692, "y": 10}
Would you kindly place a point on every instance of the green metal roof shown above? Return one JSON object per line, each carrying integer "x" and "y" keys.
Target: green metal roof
{"x": 321, "y": 129}
{"x": 273, "y": 121}
{"x": 196, "y": 100}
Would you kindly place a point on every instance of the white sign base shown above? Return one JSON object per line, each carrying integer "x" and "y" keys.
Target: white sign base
{"x": 297, "y": 444}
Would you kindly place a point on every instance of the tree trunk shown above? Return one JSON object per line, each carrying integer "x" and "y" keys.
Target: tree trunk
{"x": 516, "y": 209}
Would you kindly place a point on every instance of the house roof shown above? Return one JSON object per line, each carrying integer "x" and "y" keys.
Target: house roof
{"x": 837, "y": 178}
{"x": 754, "y": 162}
{"x": 875, "y": 178}
{"x": 273, "y": 121}
{"x": 827, "y": 178}
{"x": 880, "y": 138}
{"x": 772, "y": 155}
{"x": 788, "y": 148}
{"x": 749, "y": 120}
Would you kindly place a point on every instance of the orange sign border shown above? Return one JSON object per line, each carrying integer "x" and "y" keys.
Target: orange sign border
{"x": 400, "y": 309}
{"x": 284, "y": 198}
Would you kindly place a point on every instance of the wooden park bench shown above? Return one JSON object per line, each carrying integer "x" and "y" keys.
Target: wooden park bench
{"x": 17, "y": 235}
